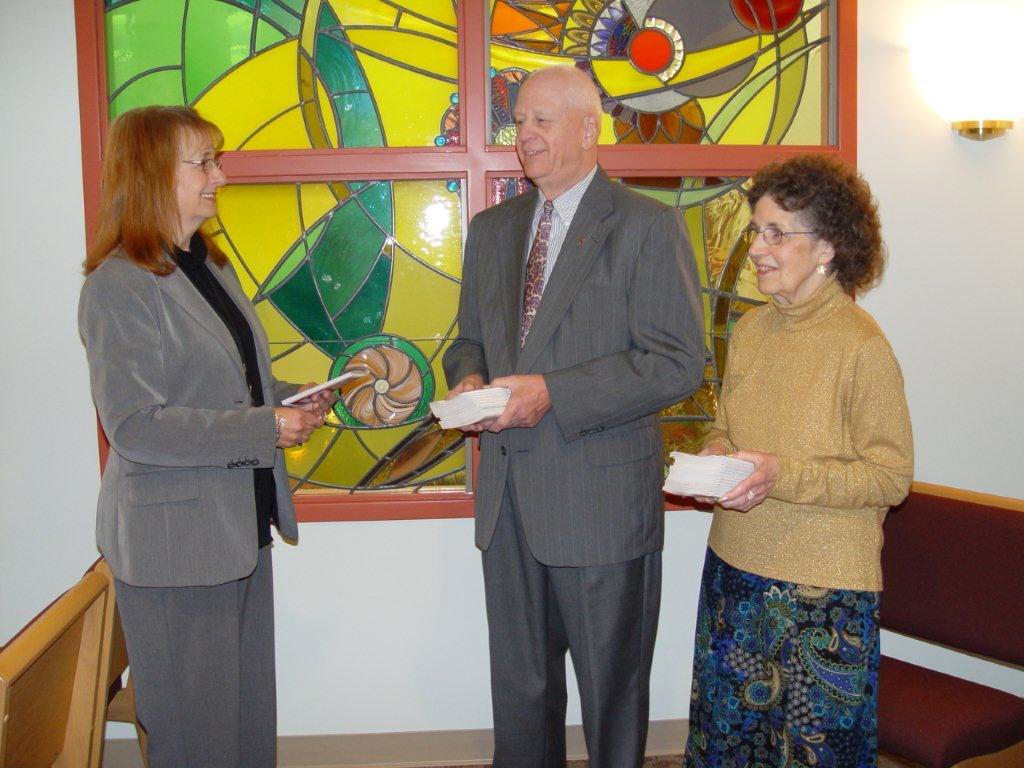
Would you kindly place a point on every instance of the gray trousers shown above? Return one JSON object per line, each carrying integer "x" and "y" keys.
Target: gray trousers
{"x": 606, "y": 616}
{"x": 203, "y": 663}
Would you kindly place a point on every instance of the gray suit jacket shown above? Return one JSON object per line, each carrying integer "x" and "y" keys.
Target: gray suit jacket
{"x": 176, "y": 504}
{"x": 618, "y": 336}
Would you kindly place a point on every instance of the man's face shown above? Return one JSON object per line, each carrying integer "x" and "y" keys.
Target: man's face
{"x": 553, "y": 139}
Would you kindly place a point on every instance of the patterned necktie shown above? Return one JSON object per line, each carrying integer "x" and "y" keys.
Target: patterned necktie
{"x": 535, "y": 265}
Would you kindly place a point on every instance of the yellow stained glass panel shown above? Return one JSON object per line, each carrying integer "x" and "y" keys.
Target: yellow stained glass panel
{"x": 318, "y": 200}
{"x": 230, "y": 104}
{"x": 410, "y": 111}
{"x": 263, "y": 222}
{"x": 429, "y": 224}
{"x": 408, "y": 314}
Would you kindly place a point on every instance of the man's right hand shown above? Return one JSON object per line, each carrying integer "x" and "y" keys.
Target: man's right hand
{"x": 468, "y": 384}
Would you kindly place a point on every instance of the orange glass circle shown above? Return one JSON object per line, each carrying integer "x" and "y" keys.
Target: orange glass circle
{"x": 650, "y": 51}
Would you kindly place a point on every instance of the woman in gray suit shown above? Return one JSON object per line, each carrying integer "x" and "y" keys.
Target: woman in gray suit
{"x": 180, "y": 374}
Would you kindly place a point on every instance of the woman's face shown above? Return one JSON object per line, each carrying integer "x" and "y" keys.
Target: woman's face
{"x": 196, "y": 188}
{"x": 787, "y": 271}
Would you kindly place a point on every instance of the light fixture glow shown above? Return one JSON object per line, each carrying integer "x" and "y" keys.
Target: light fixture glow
{"x": 965, "y": 58}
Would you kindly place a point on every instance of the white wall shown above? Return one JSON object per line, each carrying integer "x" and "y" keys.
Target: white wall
{"x": 952, "y": 300}
{"x": 381, "y": 625}
{"x": 48, "y": 476}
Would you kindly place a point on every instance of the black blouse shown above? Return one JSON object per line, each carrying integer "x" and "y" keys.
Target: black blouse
{"x": 193, "y": 265}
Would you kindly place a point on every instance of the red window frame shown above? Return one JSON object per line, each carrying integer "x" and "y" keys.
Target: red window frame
{"x": 474, "y": 161}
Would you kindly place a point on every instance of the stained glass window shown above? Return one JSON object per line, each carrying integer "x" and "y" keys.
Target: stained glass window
{"x": 376, "y": 123}
{"x": 683, "y": 72}
{"x": 292, "y": 74}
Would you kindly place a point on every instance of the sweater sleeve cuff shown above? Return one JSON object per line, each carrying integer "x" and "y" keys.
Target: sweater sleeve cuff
{"x": 721, "y": 441}
{"x": 788, "y": 480}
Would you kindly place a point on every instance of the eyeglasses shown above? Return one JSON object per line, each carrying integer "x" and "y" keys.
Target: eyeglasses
{"x": 772, "y": 235}
{"x": 209, "y": 164}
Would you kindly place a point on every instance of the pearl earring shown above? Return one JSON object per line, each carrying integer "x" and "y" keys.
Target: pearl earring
{"x": 821, "y": 269}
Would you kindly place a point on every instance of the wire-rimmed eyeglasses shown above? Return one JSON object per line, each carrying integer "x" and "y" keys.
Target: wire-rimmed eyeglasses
{"x": 208, "y": 164}
{"x": 772, "y": 234}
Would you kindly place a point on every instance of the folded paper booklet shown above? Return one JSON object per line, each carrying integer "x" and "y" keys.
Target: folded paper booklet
{"x": 332, "y": 384}
{"x": 709, "y": 476}
{"x": 470, "y": 407}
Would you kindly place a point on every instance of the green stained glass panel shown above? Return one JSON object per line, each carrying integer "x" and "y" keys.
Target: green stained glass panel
{"x": 157, "y": 87}
{"x": 359, "y": 127}
{"x": 345, "y": 255}
{"x": 338, "y": 66}
{"x": 217, "y": 36}
{"x": 364, "y": 314}
{"x": 376, "y": 199}
{"x": 267, "y": 35}
{"x": 144, "y": 37}
{"x": 287, "y": 21}
{"x": 299, "y": 301}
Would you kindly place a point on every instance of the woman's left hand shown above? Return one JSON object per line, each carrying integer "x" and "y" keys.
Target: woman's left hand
{"x": 754, "y": 489}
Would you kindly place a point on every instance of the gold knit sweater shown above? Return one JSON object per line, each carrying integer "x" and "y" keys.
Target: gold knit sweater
{"x": 817, "y": 384}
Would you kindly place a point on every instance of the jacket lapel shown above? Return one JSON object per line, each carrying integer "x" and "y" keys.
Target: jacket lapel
{"x": 180, "y": 290}
{"x": 582, "y": 243}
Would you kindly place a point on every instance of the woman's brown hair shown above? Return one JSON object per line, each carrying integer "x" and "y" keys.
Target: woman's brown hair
{"x": 138, "y": 205}
{"x": 832, "y": 198}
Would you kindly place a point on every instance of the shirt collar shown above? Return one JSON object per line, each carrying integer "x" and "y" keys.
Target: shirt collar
{"x": 567, "y": 202}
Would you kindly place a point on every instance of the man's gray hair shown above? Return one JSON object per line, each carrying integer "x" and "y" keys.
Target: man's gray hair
{"x": 577, "y": 86}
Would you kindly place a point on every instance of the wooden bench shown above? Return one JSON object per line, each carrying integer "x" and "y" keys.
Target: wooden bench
{"x": 953, "y": 574}
{"x": 53, "y": 682}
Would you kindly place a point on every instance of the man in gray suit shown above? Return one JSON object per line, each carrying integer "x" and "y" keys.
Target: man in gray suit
{"x": 582, "y": 299}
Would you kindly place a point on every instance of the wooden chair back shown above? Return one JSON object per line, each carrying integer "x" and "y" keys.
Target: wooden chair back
{"x": 52, "y": 676}
{"x": 120, "y": 699}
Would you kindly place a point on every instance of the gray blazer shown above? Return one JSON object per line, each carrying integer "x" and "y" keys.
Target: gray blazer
{"x": 618, "y": 336}
{"x": 176, "y": 505}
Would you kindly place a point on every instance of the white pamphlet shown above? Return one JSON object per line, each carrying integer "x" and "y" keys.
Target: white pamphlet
{"x": 470, "y": 407}
{"x": 332, "y": 384}
{"x": 709, "y": 476}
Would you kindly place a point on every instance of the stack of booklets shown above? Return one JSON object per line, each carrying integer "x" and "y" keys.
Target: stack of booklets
{"x": 470, "y": 407}
{"x": 709, "y": 476}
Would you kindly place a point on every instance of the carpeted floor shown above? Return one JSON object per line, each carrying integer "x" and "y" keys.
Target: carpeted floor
{"x": 666, "y": 761}
{"x": 674, "y": 761}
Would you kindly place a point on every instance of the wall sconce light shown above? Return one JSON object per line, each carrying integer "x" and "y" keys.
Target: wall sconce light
{"x": 966, "y": 60}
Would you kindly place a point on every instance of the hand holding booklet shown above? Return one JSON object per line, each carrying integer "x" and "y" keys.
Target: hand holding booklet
{"x": 710, "y": 476}
{"x": 470, "y": 407}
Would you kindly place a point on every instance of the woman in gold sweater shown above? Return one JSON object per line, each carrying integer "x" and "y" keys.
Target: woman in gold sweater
{"x": 786, "y": 655}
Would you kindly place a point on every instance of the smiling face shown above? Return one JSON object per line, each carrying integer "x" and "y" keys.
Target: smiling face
{"x": 556, "y": 138}
{"x": 195, "y": 189}
{"x": 787, "y": 271}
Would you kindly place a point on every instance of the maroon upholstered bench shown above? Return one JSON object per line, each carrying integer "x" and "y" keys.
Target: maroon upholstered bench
{"x": 953, "y": 574}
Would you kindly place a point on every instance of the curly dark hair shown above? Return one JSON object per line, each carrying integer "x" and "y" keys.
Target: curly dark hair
{"x": 832, "y": 198}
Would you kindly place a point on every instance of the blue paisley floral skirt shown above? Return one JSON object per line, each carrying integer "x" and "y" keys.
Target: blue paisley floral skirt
{"x": 784, "y": 674}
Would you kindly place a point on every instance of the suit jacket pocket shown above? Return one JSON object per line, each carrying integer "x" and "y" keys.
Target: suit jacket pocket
{"x": 168, "y": 485}
{"x": 632, "y": 444}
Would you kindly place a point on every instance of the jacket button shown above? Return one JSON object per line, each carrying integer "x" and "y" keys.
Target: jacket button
{"x": 504, "y": 451}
